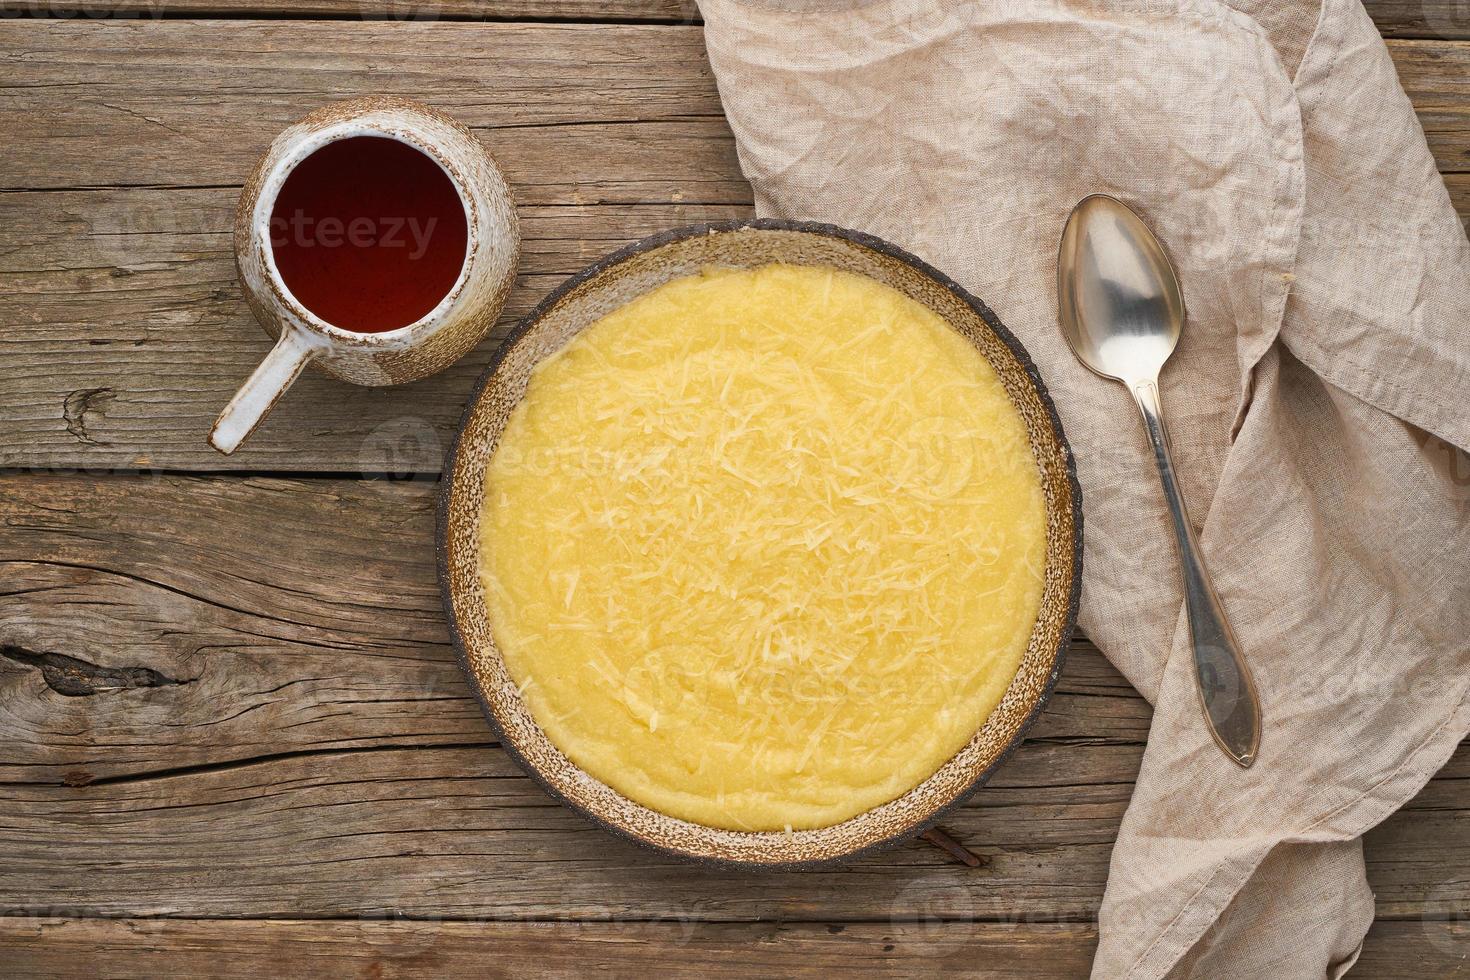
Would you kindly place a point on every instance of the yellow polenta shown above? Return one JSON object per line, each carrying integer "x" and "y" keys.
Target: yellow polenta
{"x": 763, "y": 548}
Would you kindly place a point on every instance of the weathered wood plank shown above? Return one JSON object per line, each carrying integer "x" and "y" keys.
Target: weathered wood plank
{"x": 151, "y": 269}
{"x": 191, "y": 103}
{"x": 276, "y": 728}
{"x": 459, "y": 832}
{"x": 689, "y": 161}
{"x": 1438, "y": 19}
{"x": 152, "y": 948}
{"x": 126, "y": 333}
{"x": 149, "y": 948}
{"x": 108, "y": 292}
{"x": 412, "y": 11}
{"x": 1442, "y": 19}
{"x": 132, "y": 102}
{"x": 1459, "y": 188}
{"x": 318, "y": 629}
{"x": 1436, "y": 77}
{"x": 330, "y": 738}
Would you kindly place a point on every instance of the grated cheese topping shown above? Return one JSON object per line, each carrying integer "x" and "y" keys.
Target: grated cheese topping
{"x": 763, "y": 548}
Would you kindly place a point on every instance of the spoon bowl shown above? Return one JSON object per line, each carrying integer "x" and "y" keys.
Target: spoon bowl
{"x": 1121, "y": 308}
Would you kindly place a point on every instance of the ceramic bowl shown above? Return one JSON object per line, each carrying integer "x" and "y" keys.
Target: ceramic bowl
{"x": 615, "y": 281}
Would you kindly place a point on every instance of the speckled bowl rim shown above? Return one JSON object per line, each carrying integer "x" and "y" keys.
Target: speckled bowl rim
{"x": 648, "y": 244}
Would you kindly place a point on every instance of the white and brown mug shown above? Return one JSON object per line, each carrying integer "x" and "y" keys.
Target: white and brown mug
{"x": 354, "y": 348}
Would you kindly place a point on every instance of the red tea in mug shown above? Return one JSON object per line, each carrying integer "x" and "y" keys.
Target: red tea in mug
{"x": 368, "y": 233}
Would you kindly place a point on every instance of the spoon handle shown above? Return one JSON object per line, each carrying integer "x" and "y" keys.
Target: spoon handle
{"x": 1227, "y": 692}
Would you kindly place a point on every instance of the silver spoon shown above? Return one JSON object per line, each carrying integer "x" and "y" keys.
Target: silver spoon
{"x": 1121, "y": 311}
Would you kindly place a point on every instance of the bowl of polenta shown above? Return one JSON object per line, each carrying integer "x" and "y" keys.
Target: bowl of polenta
{"x": 760, "y": 543}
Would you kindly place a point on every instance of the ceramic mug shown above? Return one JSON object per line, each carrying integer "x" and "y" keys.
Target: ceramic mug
{"x": 448, "y": 331}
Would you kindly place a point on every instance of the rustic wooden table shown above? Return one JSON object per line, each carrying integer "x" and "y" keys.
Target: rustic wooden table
{"x": 233, "y": 739}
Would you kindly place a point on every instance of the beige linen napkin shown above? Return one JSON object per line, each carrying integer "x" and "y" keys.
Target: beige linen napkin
{"x": 1316, "y": 401}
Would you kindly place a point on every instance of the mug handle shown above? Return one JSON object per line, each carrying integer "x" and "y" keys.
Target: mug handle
{"x": 259, "y": 394}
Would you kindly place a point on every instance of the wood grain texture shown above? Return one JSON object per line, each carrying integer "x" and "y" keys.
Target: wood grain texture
{"x": 318, "y": 753}
{"x": 141, "y": 108}
{"x": 1441, "y": 19}
{"x": 147, "y": 948}
{"x": 133, "y": 948}
{"x": 1435, "y": 19}
{"x": 275, "y": 727}
{"x": 127, "y": 332}
{"x": 1459, "y": 188}
{"x": 1436, "y": 77}
{"x": 413, "y": 11}
{"x": 191, "y": 103}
